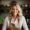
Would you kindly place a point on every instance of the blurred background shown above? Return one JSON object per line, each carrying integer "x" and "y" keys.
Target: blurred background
{"x": 4, "y": 9}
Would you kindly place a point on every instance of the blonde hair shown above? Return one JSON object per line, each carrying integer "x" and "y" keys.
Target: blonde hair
{"x": 14, "y": 3}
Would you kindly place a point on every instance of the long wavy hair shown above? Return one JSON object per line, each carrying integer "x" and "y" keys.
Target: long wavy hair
{"x": 15, "y": 3}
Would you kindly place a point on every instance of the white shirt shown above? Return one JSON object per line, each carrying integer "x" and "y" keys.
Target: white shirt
{"x": 22, "y": 22}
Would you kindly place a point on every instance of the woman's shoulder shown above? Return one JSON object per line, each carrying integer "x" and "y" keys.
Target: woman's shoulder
{"x": 22, "y": 18}
{"x": 6, "y": 18}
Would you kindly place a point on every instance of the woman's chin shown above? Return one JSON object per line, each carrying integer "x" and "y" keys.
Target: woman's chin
{"x": 14, "y": 15}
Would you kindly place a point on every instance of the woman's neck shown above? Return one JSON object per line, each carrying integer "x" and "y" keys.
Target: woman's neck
{"x": 14, "y": 17}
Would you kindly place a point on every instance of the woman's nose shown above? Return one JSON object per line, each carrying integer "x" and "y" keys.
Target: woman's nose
{"x": 15, "y": 10}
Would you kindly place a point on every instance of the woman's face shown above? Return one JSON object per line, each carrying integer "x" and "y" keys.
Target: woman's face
{"x": 14, "y": 10}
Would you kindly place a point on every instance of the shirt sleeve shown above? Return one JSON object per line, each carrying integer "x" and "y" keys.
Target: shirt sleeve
{"x": 4, "y": 25}
{"x": 25, "y": 24}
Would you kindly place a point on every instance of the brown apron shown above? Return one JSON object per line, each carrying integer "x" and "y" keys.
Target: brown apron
{"x": 12, "y": 27}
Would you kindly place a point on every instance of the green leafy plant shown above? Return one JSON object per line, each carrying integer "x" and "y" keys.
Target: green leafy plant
{"x": 1, "y": 20}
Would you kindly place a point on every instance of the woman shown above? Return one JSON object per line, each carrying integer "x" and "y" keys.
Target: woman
{"x": 15, "y": 16}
